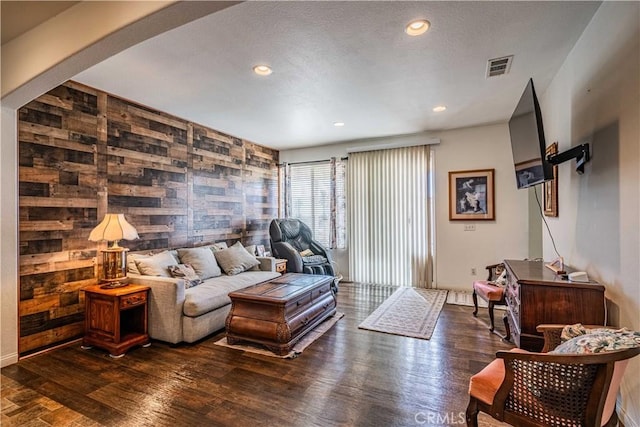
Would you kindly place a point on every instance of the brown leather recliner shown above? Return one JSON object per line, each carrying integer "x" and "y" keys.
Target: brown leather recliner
{"x": 289, "y": 237}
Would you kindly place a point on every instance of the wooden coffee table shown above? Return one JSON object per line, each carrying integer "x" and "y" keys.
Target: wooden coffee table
{"x": 277, "y": 313}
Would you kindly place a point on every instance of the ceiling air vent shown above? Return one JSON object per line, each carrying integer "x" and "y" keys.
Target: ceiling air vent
{"x": 499, "y": 66}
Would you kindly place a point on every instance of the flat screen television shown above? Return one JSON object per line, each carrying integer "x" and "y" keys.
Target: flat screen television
{"x": 527, "y": 141}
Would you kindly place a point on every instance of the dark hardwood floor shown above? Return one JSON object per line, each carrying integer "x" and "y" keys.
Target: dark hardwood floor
{"x": 348, "y": 377}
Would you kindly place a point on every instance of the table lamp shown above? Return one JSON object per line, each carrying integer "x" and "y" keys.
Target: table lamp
{"x": 114, "y": 259}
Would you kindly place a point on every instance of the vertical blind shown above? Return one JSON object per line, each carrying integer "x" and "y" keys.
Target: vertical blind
{"x": 389, "y": 217}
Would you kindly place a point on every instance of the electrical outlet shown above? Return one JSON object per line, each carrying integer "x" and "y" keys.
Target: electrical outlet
{"x": 473, "y": 271}
{"x": 469, "y": 227}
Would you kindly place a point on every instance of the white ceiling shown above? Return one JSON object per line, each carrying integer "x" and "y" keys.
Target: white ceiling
{"x": 21, "y": 16}
{"x": 348, "y": 62}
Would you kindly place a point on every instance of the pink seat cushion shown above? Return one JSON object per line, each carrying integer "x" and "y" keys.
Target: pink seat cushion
{"x": 484, "y": 385}
{"x": 488, "y": 291}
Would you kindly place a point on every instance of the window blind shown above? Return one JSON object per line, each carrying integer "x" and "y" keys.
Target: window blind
{"x": 310, "y": 191}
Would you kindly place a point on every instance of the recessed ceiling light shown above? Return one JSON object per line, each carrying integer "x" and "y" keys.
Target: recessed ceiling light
{"x": 417, "y": 27}
{"x": 262, "y": 70}
{"x": 338, "y": 124}
{"x": 439, "y": 109}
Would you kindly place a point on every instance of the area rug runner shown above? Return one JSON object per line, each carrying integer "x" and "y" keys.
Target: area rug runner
{"x": 298, "y": 348}
{"x": 411, "y": 312}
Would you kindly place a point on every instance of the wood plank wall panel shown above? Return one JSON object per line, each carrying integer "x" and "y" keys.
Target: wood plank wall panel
{"x": 216, "y": 176}
{"x": 261, "y": 193}
{"x": 147, "y": 173}
{"x": 84, "y": 153}
{"x": 57, "y": 137}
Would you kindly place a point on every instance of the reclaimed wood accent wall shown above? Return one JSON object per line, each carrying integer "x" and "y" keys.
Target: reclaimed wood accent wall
{"x": 83, "y": 153}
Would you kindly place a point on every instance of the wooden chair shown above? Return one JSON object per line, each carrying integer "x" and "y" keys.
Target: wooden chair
{"x": 539, "y": 389}
{"x": 493, "y": 294}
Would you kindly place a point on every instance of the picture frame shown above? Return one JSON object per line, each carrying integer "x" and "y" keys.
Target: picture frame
{"x": 260, "y": 250}
{"x": 550, "y": 188}
{"x": 471, "y": 195}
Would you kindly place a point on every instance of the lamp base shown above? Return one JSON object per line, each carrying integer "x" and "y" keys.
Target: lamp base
{"x": 114, "y": 285}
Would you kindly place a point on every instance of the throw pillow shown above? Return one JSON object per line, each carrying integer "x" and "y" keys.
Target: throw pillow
{"x": 600, "y": 341}
{"x": 236, "y": 259}
{"x": 156, "y": 265}
{"x": 202, "y": 261}
{"x": 132, "y": 267}
{"x": 218, "y": 246}
{"x": 186, "y": 272}
{"x": 252, "y": 250}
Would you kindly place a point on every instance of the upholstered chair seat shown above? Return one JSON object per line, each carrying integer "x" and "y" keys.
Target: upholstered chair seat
{"x": 492, "y": 291}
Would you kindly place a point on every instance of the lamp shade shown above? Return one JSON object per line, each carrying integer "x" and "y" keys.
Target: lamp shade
{"x": 113, "y": 228}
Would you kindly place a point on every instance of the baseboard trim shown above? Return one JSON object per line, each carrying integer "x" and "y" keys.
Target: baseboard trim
{"x": 8, "y": 359}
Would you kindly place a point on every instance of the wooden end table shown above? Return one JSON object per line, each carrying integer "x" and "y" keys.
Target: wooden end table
{"x": 281, "y": 265}
{"x": 116, "y": 319}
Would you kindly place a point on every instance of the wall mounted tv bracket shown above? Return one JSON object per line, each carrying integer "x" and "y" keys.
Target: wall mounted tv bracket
{"x": 579, "y": 152}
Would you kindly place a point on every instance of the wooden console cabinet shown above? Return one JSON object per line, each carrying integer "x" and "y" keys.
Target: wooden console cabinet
{"x": 535, "y": 295}
{"x": 116, "y": 319}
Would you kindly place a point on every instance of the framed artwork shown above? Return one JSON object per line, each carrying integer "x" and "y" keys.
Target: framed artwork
{"x": 550, "y": 195}
{"x": 471, "y": 195}
{"x": 260, "y": 250}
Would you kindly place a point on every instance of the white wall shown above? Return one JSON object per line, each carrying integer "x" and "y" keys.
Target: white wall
{"x": 595, "y": 96}
{"x": 458, "y": 251}
{"x": 9, "y": 240}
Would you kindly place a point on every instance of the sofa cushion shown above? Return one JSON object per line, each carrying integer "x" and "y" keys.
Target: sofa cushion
{"x": 252, "y": 250}
{"x": 218, "y": 246}
{"x": 202, "y": 261}
{"x": 186, "y": 272}
{"x": 132, "y": 267}
{"x": 235, "y": 259}
{"x": 213, "y": 293}
{"x": 156, "y": 265}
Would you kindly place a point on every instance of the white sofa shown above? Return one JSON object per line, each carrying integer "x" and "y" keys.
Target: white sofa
{"x": 179, "y": 313}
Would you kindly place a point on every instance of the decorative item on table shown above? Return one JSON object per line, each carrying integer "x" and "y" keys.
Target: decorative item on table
{"x": 260, "y": 250}
{"x": 557, "y": 266}
{"x": 114, "y": 258}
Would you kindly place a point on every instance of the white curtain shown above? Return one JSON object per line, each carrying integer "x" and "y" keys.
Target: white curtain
{"x": 389, "y": 217}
